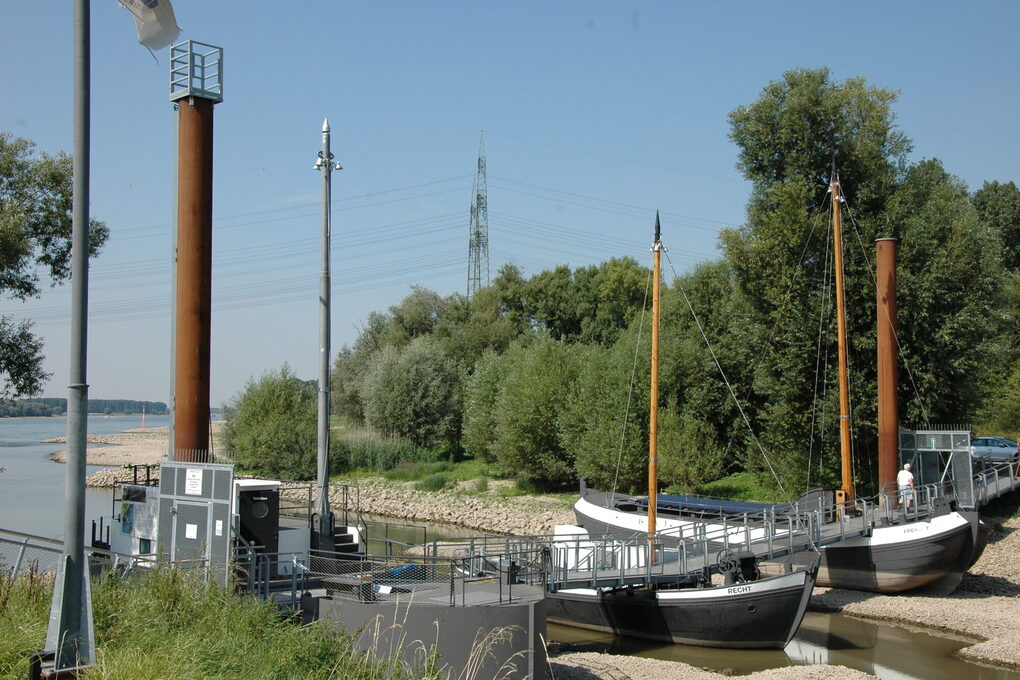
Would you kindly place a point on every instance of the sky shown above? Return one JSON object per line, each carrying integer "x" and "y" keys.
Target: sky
{"x": 594, "y": 115}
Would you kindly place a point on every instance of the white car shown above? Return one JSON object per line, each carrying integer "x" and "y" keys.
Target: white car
{"x": 993, "y": 449}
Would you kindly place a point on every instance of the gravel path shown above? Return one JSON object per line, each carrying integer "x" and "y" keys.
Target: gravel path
{"x": 986, "y": 607}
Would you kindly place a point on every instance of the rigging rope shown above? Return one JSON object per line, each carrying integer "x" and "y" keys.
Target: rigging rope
{"x": 896, "y": 332}
{"x": 729, "y": 387}
{"x": 630, "y": 389}
{"x": 820, "y": 358}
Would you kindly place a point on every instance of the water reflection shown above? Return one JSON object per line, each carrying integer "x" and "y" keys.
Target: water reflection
{"x": 890, "y": 652}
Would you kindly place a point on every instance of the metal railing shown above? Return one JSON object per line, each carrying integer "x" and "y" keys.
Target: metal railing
{"x": 452, "y": 581}
{"x": 694, "y": 549}
{"x": 21, "y": 552}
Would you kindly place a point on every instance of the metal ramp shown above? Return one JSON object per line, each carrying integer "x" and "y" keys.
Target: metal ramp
{"x": 700, "y": 548}
{"x": 942, "y": 457}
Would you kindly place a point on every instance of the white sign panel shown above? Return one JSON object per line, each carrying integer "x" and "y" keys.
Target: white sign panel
{"x": 219, "y": 527}
{"x": 191, "y": 531}
{"x": 193, "y": 482}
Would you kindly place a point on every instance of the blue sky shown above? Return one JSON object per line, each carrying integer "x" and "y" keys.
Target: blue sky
{"x": 595, "y": 115}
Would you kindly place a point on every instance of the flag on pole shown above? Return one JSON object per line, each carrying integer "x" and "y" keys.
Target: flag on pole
{"x": 155, "y": 21}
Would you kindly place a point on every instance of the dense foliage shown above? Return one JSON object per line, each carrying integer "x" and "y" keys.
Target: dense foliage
{"x": 55, "y": 407}
{"x": 35, "y": 236}
{"x": 272, "y": 425}
{"x": 546, "y": 378}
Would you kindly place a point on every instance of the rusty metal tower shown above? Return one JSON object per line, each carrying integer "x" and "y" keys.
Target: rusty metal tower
{"x": 196, "y": 85}
{"x": 478, "y": 238}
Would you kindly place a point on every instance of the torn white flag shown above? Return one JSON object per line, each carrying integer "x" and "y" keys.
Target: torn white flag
{"x": 155, "y": 21}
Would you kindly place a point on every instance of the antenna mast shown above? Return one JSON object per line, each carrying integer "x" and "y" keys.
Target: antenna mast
{"x": 478, "y": 238}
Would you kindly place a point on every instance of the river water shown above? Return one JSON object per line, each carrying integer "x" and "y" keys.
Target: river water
{"x": 890, "y": 652}
{"x": 32, "y": 501}
{"x": 32, "y": 487}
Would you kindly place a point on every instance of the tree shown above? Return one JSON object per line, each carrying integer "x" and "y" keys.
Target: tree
{"x": 589, "y": 304}
{"x": 950, "y": 281}
{"x": 414, "y": 393}
{"x": 604, "y": 424}
{"x": 998, "y": 206}
{"x": 949, "y": 274}
{"x": 801, "y": 123}
{"x": 350, "y": 366}
{"x": 469, "y": 328}
{"x": 272, "y": 425}
{"x": 533, "y": 394}
{"x": 35, "y": 234}
{"x": 21, "y": 358}
{"x": 416, "y": 315}
{"x": 481, "y": 392}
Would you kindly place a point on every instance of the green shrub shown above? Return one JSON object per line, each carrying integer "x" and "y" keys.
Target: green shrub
{"x": 405, "y": 471}
{"x": 482, "y": 485}
{"x": 271, "y": 426}
{"x": 436, "y": 482}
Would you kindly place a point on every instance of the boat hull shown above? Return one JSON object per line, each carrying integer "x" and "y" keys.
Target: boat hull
{"x": 901, "y": 557}
{"x": 763, "y": 614}
{"x": 893, "y": 559}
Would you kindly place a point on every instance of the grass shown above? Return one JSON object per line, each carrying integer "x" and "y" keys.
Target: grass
{"x": 436, "y": 482}
{"x": 409, "y": 471}
{"x": 740, "y": 486}
{"x": 169, "y": 625}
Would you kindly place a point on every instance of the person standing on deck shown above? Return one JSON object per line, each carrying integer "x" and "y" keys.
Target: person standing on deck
{"x": 905, "y": 481}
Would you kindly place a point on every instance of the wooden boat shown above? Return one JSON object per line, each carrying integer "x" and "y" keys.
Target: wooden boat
{"x": 642, "y": 598}
{"x": 747, "y": 611}
{"x": 901, "y": 551}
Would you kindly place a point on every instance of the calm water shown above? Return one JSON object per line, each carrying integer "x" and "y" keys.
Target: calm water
{"x": 890, "y": 652}
{"x": 32, "y": 486}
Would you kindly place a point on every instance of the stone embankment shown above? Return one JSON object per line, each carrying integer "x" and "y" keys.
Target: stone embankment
{"x": 486, "y": 512}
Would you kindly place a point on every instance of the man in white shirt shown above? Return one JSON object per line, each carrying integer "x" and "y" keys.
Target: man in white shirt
{"x": 905, "y": 481}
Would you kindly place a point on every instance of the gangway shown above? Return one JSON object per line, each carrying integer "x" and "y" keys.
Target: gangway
{"x": 695, "y": 550}
{"x": 943, "y": 457}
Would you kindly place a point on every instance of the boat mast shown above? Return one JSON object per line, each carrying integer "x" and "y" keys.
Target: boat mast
{"x": 846, "y": 469}
{"x": 653, "y": 416}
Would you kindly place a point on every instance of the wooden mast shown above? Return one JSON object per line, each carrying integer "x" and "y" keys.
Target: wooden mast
{"x": 846, "y": 468}
{"x": 888, "y": 412}
{"x": 653, "y": 415}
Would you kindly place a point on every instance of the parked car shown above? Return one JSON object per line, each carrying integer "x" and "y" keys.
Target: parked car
{"x": 993, "y": 449}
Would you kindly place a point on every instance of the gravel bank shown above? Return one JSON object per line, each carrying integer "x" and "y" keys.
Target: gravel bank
{"x": 590, "y": 666}
{"x": 130, "y": 447}
{"x": 986, "y": 607}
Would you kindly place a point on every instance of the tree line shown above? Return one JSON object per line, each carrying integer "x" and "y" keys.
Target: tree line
{"x": 538, "y": 375}
{"x": 57, "y": 407}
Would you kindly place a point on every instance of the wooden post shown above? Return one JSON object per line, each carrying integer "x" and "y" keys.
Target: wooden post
{"x": 888, "y": 412}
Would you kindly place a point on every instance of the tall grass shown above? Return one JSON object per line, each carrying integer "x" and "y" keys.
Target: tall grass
{"x": 24, "y": 610}
{"x": 362, "y": 448}
{"x": 168, "y": 625}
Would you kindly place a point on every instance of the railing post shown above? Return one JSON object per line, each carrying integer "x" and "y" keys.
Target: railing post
{"x": 21, "y": 556}
{"x": 453, "y": 591}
